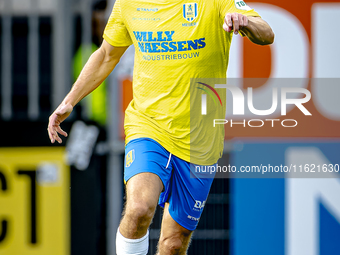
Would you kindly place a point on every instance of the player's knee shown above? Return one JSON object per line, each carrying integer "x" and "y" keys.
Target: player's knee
{"x": 140, "y": 212}
{"x": 170, "y": 244}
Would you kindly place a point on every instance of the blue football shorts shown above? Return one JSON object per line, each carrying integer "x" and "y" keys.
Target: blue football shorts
{"x": 186, "y": 192}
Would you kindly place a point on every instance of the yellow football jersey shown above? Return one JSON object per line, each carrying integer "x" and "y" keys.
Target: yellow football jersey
{"x": 175, "y": 41}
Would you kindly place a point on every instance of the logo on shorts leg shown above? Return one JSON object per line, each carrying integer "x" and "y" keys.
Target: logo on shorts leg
{"x": 129, "y": 158}
{"x": 199, "y": 205}
{"x": 193, "y": 218}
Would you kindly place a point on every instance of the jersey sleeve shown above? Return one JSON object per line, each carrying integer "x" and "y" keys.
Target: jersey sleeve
{"x": 115, "y": 32}
{"x": 239, "y": 6}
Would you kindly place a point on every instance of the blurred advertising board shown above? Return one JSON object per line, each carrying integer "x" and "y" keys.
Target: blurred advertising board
{"x": 302, "y": 50}
{"x": 34, "y": 201}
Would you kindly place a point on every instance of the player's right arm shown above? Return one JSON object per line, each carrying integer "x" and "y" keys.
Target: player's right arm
{"x": 98, "y": 67}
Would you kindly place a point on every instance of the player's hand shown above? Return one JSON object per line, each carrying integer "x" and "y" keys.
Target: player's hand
{"x": 57, "y": 117}
{"x": 235, "y": 21}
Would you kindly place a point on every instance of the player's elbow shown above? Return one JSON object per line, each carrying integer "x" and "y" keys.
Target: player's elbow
{"x": 263, "y": 36}
{"x": 268, "y": 37}
{"x": 113, "y": 60}
{"x": 109, "y": 56}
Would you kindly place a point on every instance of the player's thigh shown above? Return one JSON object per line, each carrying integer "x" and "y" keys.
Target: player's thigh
{"x": 146, "y": 171}
{"x": 173, "y": 236}
{"x": 142, "y": 192}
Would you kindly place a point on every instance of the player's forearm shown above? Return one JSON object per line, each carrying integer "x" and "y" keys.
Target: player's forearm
{"x": 258, "y": 31}
{"x": 97, "y": 68}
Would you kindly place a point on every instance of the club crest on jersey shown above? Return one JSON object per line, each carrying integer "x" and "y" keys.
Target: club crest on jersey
{"x": 129, "y": 158}
{"x": 190, "y": 11}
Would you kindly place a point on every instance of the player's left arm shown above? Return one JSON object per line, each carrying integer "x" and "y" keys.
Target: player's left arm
{"x": 255, "y": 28}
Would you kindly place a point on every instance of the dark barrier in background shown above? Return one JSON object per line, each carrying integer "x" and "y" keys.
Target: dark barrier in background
{"x": 87, "y": 191}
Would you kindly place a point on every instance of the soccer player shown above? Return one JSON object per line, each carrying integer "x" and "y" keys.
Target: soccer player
{"x": 174, "y": 41}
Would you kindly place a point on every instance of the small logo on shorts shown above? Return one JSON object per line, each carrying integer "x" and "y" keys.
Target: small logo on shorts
{"x": 193, "y": 218}
{"x": 199, "y": 205}
{"x": 129, "y": 158}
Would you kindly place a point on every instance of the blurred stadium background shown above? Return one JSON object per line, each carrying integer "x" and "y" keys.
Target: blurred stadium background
{"x": 67, "y": 199}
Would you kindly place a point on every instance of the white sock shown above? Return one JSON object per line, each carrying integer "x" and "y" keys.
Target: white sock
{"x": 125, "y": 246}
